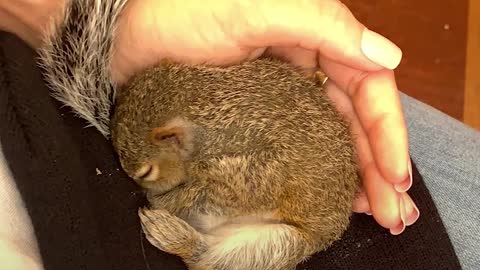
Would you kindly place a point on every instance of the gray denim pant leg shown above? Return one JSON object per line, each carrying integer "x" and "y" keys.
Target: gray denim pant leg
{"x": 447, "y": 154}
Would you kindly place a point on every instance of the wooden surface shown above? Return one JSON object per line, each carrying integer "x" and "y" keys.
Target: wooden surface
{"x": 432, "y": 35}
{"x": 471, "y": 110}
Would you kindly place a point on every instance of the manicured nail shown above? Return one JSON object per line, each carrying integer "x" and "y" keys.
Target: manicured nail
{"x": 412, "y": 213}
{"x": 403, "y": 208}
{"x": 380, "y": 50}
{"x": 407, "y": 184}
{"x": 398, "y": 229}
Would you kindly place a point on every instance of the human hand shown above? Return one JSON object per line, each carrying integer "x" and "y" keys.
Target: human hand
{"x": 309, "y": 34}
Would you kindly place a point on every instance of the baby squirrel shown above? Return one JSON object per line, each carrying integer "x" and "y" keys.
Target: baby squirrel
{"x": 245, "y": 167}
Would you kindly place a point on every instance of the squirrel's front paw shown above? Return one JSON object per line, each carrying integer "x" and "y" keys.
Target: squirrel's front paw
{"x": 154, "y": 227}
{"x": 169, "y": 233}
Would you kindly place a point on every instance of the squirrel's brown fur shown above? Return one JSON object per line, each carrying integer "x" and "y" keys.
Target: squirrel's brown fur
{"x": 246, "y": 167}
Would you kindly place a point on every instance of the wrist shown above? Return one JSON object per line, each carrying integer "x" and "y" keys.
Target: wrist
{"x": 121, "y": 42}
{"x": 29, "y": 19}
{"x": 129, "y": 51}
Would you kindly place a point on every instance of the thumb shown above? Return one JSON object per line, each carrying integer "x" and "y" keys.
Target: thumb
{"x": 326, "y": 26}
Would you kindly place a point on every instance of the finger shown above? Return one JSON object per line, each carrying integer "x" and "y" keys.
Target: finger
{"x": 377, "y": 105}
{"x": 297, "y": 56}
{"x": 326, "y": 26}
{"x": 382, "y": 197}
{"x": 411, "y": 212}
{"x": 384, "y": 200}
{"x": 360, "y": 203}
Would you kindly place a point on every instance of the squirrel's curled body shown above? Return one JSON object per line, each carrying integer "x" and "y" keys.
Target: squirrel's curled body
{"x": 247, "y": 167}
{"x": 260, "y": 172}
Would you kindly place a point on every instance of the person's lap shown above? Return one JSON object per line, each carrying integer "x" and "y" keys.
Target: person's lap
{"x": 18, "y": 249}
{"x": 447, "y": 154}
{"x": 445, "y": 151}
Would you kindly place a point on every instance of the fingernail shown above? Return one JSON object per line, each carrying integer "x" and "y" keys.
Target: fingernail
{"x": 407, "y": 184}
{"x": 380, "y": 50}
{"x": 398, "y": 229}
{"x": 412, "y": 213}
{"x": 368, "y": 213}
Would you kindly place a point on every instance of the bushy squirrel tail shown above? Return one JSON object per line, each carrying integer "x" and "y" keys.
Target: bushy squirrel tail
{"x": 239, "y": 246}
{"x": 75, "y": 59}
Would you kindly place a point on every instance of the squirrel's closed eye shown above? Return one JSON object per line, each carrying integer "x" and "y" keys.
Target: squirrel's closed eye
{"x": 147, "y": 173}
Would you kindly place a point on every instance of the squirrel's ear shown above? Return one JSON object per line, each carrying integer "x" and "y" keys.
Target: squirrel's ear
{"x": 176, "y": 132}
{"x": 173, "y": 135}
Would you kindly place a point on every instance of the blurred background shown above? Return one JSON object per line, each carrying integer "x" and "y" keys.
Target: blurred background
{"x": 440, "y": 41}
